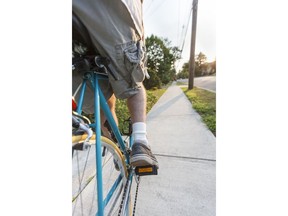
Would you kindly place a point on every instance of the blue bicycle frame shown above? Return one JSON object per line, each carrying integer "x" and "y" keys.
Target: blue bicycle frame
{"x": 100, "y": 101}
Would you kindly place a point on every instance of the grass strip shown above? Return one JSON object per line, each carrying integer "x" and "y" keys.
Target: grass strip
{"x": 179, "y": 83}
{"x": 204, "y": 102}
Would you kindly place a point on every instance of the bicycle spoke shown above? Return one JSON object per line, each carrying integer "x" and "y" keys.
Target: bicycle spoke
{"x": 85, "y": 198}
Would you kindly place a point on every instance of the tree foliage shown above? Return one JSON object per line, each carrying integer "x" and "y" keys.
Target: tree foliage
{"x": 184, "y": 73}
{"x": 161, "y": 59}
{"x": 200, "y": 59}
{"x": 154, "y": 81}
{"x": 202, "y": 67}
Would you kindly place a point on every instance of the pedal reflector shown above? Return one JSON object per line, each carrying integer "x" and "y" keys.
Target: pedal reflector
{"x": 146, "y": 170}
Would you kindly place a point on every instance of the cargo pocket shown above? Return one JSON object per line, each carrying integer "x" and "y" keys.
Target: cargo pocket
{"x": 130, "y": 69}
{"x": 133, "y": 61}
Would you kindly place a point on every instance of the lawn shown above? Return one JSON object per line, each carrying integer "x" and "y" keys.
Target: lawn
{"x": 204, "y": 102}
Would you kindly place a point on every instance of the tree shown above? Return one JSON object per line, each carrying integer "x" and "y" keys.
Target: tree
{"x": 200, "y": 59}
{"x": 161, "y": 58}
{"x": 201, "y": 67}
{"x": 213, "y": 65}
{"x": 200, "y": 64}
{"x": 153, "y": 82}
{"x": 184, "y": 73}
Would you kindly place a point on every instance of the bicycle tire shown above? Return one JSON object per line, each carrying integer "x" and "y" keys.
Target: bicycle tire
{"x": 84, "y": 195}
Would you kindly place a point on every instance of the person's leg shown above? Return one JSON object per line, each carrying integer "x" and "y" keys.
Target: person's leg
{"x": 137, "y": 108}
{"x": 112, "y": 105}
{"x": 141, "y": 154}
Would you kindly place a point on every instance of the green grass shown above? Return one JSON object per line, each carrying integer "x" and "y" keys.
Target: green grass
{"x": 181, "y": 83}
{"x": 204, "y": 102}
{"x": 156, "y": 95}
{"x": 122, "y": 109}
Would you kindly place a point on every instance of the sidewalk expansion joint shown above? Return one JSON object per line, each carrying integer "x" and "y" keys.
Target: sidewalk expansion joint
{"x": 184, "y": 157}
{"x": 173, "y": 115}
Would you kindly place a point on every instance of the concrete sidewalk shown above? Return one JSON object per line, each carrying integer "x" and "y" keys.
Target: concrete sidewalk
{"x": 186, "y": 151}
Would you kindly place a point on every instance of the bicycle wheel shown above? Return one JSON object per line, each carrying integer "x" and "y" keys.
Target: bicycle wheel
{"x": 84, "y": 177}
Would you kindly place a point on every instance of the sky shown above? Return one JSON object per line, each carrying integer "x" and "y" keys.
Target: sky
{"x": 169, "y": 19}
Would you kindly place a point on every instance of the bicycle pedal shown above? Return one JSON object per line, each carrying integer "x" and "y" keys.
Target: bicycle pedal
{"x": 146, "y": 170}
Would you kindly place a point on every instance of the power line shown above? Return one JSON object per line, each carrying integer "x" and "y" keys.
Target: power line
{"x": 178, "y": 21}
{"x": 157, "y": 7}
{"x": 146, "y": 10}
{"x": 187, "y": 26}
{"x": 184, "y": 39}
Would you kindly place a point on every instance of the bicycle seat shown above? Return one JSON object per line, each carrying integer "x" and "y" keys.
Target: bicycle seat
{"x": 80, "y": 34}
{"x": 84, "y": 60}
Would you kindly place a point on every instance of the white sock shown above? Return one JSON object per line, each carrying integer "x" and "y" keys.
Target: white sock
{"x": 139, "y": 133}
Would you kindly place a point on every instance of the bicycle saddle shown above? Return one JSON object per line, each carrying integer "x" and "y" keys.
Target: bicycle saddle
{"x": 85, "y": 51}
{"x": 80, "y": 34}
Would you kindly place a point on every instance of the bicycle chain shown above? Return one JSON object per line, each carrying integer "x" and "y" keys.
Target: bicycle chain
{"x": 123, "y": 197}
{"x": 124, "y": 194}
{"x": 136, "y": 194}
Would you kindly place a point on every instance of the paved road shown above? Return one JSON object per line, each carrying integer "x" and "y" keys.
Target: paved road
{"x": 207, "y": 82}
{"x": 186, "y": 151}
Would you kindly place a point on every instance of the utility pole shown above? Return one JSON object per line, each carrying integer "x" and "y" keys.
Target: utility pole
{"x": 192, "y": 49}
